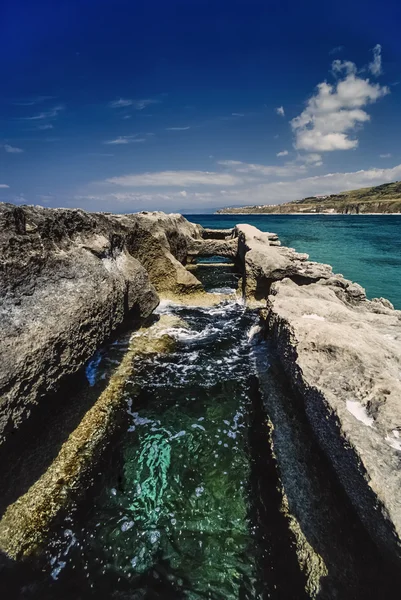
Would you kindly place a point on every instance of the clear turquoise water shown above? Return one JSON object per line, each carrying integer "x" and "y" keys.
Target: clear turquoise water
{"x": 364, "y": 248}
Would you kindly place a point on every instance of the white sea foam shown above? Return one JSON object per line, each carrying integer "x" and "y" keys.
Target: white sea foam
{"x": 92, "y": 368}
{"x": 254, "y": 331}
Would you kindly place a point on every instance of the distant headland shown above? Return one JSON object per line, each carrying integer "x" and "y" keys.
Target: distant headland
{"x": 381, "y": 199}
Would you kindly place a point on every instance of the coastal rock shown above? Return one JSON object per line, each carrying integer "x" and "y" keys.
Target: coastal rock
{"x": 216, "y": 234}
{"x": 68, "y": 280}
{"x": 161, "y": 242}
{"x": 264, "y": 262}
{"x": 342, "y": 354}
{"x": 210, "y": 247}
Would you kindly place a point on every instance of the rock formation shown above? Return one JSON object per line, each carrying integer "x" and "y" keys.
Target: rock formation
{"x": 68, "y": 280}
{"x": 342, "y": 355}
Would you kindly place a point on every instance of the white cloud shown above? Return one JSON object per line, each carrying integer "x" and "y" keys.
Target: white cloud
{"x": 32, "y": 101}
{"x": 282, "y": 153}
{"x": 12, "y": 149}
{"x": 388, "y": 155}
{"x": 137, "y": 104}
{"x": 4, "y": 185}
{"x": 228, "y": 189}
{"x": 237, "y": 114}
{"x": 288, "y": 170}
{"x": 336, "y": 49}
{"x": 125, "y": 139}
{"x": 46, "y": 126}
{"x": 177, "y": 128}
{"x": 311, "y": 159}
{"x": 280, "y": 111}
{"x": 335, "y": 111}
{"x": 331, "y": 183}
{"x": 175, "y": 178}
{"x": 375, "y": 66}
{"x": 49, "y": 114}
{"x": 121, "y": 103}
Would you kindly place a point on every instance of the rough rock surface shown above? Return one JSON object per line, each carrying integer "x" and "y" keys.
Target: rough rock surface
{"x": 210, "y": 247}
{"x": 342, "y": 353}
{"x": 264, "y": 261}
{"x": 68, "y": 279}
{"x": 161, "y": 243}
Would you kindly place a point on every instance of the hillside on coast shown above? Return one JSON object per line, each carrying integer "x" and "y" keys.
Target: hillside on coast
{"x": 381, "y": 199}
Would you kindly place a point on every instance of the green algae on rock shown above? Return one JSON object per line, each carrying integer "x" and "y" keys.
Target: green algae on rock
{"x": 27, "y": 521}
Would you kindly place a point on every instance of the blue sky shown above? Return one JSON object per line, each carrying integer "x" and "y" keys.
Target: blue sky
{"x": 191, "y": 105}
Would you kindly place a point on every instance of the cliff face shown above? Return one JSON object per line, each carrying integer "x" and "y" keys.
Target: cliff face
{"x": 68, "y": 279}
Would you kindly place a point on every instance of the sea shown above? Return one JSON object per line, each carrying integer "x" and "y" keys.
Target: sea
{"x": 364, "y": 248}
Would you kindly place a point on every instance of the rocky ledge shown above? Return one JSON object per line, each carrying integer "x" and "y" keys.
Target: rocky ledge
{"x": 342, "y": 355}
{"x": 68, "y": 279}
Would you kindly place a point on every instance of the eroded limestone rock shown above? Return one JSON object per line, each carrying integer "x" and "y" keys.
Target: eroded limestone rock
{"x": 265, "y": 261}
{"x": 68, "y": 279}
{"x": 342, "y": 353}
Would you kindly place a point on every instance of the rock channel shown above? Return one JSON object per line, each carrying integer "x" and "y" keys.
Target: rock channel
{"x": 69, "y": 279}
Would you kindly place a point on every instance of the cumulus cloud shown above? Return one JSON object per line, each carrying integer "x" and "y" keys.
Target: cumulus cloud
{"x": 177, "y": 128}
{"x": 12, "y": 149}
{"x": 375, "y": 67}
{"x": 280, "y": 111}
{"x": 336, "y": 111}
{"x": 125, "y": 139}
{"x": 175, "y": 178}
{"x": 282, "y": 153}
{"x": 4, "y": 185}
{"x": 388, "y": 155}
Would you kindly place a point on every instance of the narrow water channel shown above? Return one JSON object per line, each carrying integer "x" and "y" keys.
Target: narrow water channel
{"x": 172, "y": 513}
{"x": 186, "y": 502}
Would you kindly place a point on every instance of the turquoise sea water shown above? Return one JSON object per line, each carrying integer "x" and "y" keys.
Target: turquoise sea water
{"x": 364, "y": 248}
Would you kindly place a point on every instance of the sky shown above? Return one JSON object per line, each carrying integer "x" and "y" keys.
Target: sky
{"x": 193, "y": 105}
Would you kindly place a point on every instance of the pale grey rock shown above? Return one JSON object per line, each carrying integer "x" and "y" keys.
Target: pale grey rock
{"x": 263, "y": 262}
{"x": 216, "y": 234}
{"x": 343, "y": 356}
{"x": 210, "y": 247}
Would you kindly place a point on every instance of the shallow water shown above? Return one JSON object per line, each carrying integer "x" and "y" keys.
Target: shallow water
{"x": 172, "y": 513}
{"x": 186, "y": 502}
{"x": 364, "y": 248}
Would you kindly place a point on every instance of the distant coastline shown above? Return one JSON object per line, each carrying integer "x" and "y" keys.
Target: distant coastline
{"x": 307, "y": 214}
{"x": 382, "y": 199}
